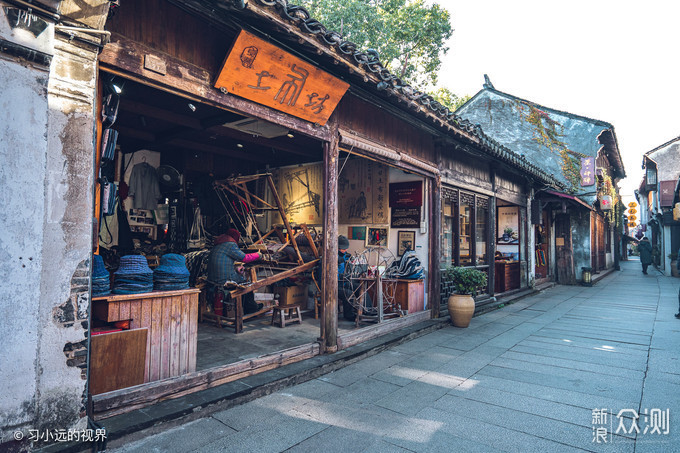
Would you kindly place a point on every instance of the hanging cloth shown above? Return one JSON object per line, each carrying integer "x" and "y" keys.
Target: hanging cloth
{"x": 144, "y": 187}
{"x": 197, "y": 235}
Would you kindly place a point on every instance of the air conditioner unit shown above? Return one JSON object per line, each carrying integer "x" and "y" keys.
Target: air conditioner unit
{"x": 258, "y": 128}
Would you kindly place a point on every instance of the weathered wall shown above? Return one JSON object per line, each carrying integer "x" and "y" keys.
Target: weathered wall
{"x": 67, "y": 230}
{"x": 46, "y": 175}
{"x": 23, "y": 147}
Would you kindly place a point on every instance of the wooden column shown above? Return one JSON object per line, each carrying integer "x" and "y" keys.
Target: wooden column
{"x": 491, "y": 234}
{"x": 329, "y": 324}
{"x": 435, "y": 217}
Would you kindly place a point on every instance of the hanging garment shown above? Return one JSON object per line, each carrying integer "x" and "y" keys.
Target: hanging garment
{"x": 144, "y": 187}
{"x": 109, "y": 139}
{"x": 197, "y": 235}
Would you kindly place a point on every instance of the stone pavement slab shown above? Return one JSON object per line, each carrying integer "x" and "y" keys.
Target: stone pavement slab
{"x": 537, "y": 375}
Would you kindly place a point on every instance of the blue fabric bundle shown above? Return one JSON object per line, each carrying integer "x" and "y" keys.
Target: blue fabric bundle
{"x": 172, "y": 273}
{"x": 133, "y": 276}
{"x": 101, "y": 283}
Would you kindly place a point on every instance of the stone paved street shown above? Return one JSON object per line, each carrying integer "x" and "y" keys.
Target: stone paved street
{"x": 524, "y": 378}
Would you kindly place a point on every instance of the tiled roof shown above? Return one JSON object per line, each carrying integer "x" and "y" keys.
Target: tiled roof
{"x": 390, "y": 87}
{"x": 549, "y": 138}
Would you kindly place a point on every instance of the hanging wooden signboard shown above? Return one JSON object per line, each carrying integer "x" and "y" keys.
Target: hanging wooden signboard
{"x": 261, "y": 72}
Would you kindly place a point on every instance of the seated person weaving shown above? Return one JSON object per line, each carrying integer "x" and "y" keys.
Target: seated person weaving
{"x": 222, "y": 269}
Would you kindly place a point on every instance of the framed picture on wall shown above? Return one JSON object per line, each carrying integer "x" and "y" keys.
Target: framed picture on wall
{"x": 357, "y": 233}
{"x": 406, "y": 240}
{"x": 376, "y": 237}
{"x": 508, "y": 225}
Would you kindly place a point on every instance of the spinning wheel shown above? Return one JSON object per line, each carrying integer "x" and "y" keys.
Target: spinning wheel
{"x": 369, "y": 293}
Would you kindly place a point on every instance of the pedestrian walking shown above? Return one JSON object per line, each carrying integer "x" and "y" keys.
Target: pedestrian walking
{"x": 645, "y": 248}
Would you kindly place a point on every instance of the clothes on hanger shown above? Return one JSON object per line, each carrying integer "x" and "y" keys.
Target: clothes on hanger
{"x": 144, "y": 187}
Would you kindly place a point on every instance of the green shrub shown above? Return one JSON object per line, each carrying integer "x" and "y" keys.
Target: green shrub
{"x": 466, "y": 280}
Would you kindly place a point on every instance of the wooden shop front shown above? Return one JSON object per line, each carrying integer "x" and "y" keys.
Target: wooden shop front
{"x": 212, "y": 134}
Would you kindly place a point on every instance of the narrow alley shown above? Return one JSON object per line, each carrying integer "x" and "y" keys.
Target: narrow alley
{"x": 564, "y": 370}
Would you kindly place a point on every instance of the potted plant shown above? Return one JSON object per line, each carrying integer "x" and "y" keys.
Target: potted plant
{"x": 466, "y": 281}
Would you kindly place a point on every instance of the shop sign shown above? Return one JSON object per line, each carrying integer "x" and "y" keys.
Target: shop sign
{"x": 606, "y": 203}
{"x": 406, "y": 194}
{"x": 587, "y": 171}
{"x": 405, "y": 218}
{"x": 261, "y": 72}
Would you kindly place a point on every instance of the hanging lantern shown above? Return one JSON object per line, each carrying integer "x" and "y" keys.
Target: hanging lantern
{"x": 606, "y": 203}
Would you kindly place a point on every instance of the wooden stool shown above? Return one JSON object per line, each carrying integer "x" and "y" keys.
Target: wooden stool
{"x": 282, "y": 313}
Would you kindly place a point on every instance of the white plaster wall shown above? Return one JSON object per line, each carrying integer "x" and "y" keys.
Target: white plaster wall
{"x": 67, "y": 230}
{"x": 23, "y": 149}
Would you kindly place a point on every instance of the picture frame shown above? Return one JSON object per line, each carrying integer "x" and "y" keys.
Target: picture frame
{"x": 406, "y": 240}
{"x": 356, "y": 233}
{"x": 377, "y": 237}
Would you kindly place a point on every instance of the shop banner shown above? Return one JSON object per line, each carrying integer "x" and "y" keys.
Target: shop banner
{"x": 263, "y": 73}
{"x": 587, "y": 171}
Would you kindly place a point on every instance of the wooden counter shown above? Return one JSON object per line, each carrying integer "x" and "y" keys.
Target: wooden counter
{"x": 506, "y": 276}
{"x": 172, "y": 320}
{"x": 410, "y": 295}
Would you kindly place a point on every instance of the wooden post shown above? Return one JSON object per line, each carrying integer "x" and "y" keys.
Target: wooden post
{"x": 435, "y": 218}
{"x": 330, "y": 244}
{"x": 491, "y": 234}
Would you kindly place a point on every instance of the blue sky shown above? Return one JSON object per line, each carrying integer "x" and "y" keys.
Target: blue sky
{"x": 614, "y": 61}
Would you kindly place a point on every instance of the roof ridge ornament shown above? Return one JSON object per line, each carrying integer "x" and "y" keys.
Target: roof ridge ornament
{"x": 487, "y": 83}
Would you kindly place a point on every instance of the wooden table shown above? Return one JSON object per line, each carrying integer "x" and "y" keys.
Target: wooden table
{"x": 171, "y": 318}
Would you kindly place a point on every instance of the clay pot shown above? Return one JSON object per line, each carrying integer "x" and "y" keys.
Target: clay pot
{"x": 461, "y": 309}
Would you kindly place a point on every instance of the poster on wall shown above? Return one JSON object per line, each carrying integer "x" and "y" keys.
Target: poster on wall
{"x": 300, "y": 190}
{"x": 362, "y": 193}
{"x": 406, "y": 199}
{"x": 508, "y": 225}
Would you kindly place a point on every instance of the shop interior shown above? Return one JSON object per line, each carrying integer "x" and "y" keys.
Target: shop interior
{"x": 218, "y": 170}
{"x": 542, "y": 250}
{"x": 508, "y": 240}
{"x": 465, "y": 219}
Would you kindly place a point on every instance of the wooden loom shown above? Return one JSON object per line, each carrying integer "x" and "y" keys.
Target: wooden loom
{"x": 241, "y": 205}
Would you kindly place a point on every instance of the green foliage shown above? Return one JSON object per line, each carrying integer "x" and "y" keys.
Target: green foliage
{"x": 409, "y": 35}
{"x": 466, "y": 280}
{"x": 448, "y": 99}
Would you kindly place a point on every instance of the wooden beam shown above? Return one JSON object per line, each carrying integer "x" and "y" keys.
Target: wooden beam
{"x": 329, "y": 323}
{"x": 261, "y": 141}
{"x": 136, "y": 133}
{"x": 198, "y": 146}
{"x": 275, "y": 278}
{"x": 125, "y": 58}
{"x": 147, "y": 110}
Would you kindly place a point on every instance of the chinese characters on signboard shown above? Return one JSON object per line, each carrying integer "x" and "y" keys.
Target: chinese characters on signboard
{"x": 263, "y": 73}
{"x": 406, "y": 198}
{"x": 362, "y": 193}
{"x": 587, "y": 171}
